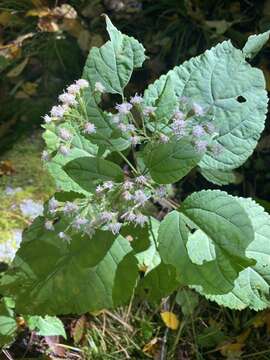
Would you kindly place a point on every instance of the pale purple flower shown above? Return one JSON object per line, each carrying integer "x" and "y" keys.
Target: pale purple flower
{"x": 45, "y": 156}
{"x": 149, "y": 110}
{"x": 130, "y": 127}
{"x": 134, "y": 140}
{"x": 65, "y": 134}
{"x": 140, "y": 219}
{"x": 58, "y": 111}
{"x": 73, "y": 89}
{"x": 140, "y": 197}
{"x": 178, "y": 115}
{"x": 49, "y": 225}
{"x": 99, "y": 189}
{"x": 47, "y": 119}
{"x": 198, "y": 109}
{"x": 11, "y": 191}
{"x": 99, "y": 87}
{"x": 108, "y": 185}
{"x": 70, "y": 207}
{"x": 82, "y": 83}
{"x": 129, "y": 216}
{"x": 127, "y": 195}
{"x": 124, "y": 108}
{"x": 160, "y": 192}
{"x": 107, "y": 216}
{"x": 136, "y": 99}
{"x": 164, "y": 139}
{"x": 201, "y": 146}
{"x": 31, "y": 209}
{"x": 89, "y": 128}
{"x": 128, "y": 185}
{"x": 53, "y": 205}
{"x": 79, "y": 222}
{"x": 179, "y": 128}
{"x": 141, "y": 179}
{"x": 64, "y": 150}
{"x": 64, "y": 237}
{"x": 68, "y": 99}
{"x": 115, "y": 227}
{"x": 198, "y": 131}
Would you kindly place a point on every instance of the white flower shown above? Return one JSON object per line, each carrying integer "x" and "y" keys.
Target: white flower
{"x": 107, "y": 216}
{"x": 73, "y": 89}
{"x": 134, "y": 140}
{"x": 47, "y": 119}
{"x": 179, "y": 115}
{"x": 160, "y": 192}
{"x": 136, "y": 99}
{"x": 64, "y": 150}
{"x": 64, "y": 237}
{"x": 58, "y": 111}
{"x": 140, "y": 197}
{"x": 89, "y": 128}
{"x": 70, "y": 207}
{"x": 115, "y": 227}
{"x": 99, "y": 189}
{"x": 201, "y": 146}
{"x": 122, "y": 127}
{"x": 127, "y": 195}
{"x": 141, "y": 219}
{"x": 65, "y": 134}
{"x": 49, "y": 225}
{"x": 141, "y": 179}
{"x": 198, "y": 109}
{"x": 149, "y": 110}
{"x": 82, "y": 83}
{"x": 99, "y": 87}
{"x": 179, "y": 128}
{"x": 129, "y": 216}
{"x": 124, "y": 108}
{"x": 198, "y": 131}
{"x": 115, "y": 119}
{"x": 45, "y": 156}
{"x": 164, "y": 139}
{"x": 68, "y": 99}
{"x": 131, "y": 127}
{"x": 108, "y": 185}
{"x": 128, "y": 185}
{"x": 11, "y": 191}
{"x": 31, "y": 209}
{"x": 79, "y": 223}
{"x": 53, "y": 205}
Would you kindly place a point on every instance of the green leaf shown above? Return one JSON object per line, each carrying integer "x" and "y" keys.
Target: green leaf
{"x": 164, "y": 100}
{"x": 221, "y": 177}
{"x": 168, "y": 163}
{"x": 188, "y": 301}
{"x": 251, "y": 289}
{"x": 90, "y": 171}
{"x": 254, "y": 44}
{"x": 46, "y": 326}
{"x": 223, "y": 82}
{"x": 219, "y": 217}
{"x": 114, "y": 62}
{"x": 64, "y": 278}
{"x": 8, "y": 324}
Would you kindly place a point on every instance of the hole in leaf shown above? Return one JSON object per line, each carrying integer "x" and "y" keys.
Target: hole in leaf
{"x": 192, "y": 230}
{"x": 241, "y": 99}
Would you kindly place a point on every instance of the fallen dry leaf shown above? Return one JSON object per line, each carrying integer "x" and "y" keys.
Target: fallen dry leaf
{"x": 6, "y": 168}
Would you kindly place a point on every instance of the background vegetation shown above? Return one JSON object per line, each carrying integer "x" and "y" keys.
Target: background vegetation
{"x": 43, "y": 46}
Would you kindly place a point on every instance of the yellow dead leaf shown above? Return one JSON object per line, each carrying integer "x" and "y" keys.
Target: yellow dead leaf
{"x": 39, "y": 12}
{"x": 30, "y": 88}
{"x": 170, "y": 320}
{"x": 151, "y": 348}
{"x": 17, "y": 70}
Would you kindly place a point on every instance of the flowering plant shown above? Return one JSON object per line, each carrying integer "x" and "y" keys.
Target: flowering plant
{"x": 116, "y": 226}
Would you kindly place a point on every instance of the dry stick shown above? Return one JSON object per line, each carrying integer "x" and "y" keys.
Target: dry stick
{"x": 130, "y": 328}
{"x": 7, "y": 354}
{"x": 163, "y": 354}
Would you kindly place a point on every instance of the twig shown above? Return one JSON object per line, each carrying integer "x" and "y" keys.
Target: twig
{"x": 163, "y": 354}
{"x": 130, "y": 328}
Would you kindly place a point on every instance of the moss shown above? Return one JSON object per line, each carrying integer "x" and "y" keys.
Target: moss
{"x": 30, "y": 175}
